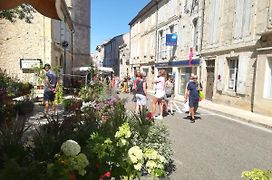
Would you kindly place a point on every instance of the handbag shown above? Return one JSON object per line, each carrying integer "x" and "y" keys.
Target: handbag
{"x": 201, "y": 95}
{"x": 186, "y": 107}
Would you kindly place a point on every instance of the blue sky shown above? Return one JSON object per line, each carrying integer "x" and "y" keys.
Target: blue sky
{"x": 110, "y": 18}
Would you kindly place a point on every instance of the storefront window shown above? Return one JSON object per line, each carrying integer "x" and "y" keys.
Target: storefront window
{"x": 184, "y": 76}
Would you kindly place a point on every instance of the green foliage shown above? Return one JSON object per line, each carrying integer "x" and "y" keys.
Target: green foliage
{"x": 257, "y": 174}
{"x": 72, "y": 104}
{"x": 151, "y": 135}
{"x": 11, "y": 87}
{"x": 59, "y": 94}
{"x": 22, "y": 12}
{"x": 94, "y": 91}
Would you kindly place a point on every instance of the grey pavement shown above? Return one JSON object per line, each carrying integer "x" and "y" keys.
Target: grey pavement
{"x": 240, "y": 114}
{"x": 217, "y": 146}
{"x": 243, "y": 115}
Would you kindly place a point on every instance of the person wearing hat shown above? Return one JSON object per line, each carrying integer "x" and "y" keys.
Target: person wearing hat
{"x": 50, "y": 83}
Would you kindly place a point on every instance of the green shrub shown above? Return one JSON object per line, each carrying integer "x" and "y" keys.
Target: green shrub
{"x": 257, "y": 174}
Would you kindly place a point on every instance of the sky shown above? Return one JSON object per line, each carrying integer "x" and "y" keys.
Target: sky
{"x": 110, "y": 18}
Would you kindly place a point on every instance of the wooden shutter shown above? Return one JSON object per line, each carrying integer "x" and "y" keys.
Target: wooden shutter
{"x": 211, "y": 21}
{"x": 243, "y": 63}
{"x": 247, "y": 17}
{"x": 220, "y": 72}
{"x": 216, "y": 23}
{"x": 238, "y": 19}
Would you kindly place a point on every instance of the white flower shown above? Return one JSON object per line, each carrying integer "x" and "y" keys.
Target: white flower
{"x": 151, "y": 154}
{"x": 70, "y": 148}
{"x": 88, "y": 104}
{"x": 138, "y": 166}
{"x": 135, "y": 154}
{"x": 162, "y": 159}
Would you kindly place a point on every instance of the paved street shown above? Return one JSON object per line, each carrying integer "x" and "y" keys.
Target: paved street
{"x": 216, "y": 146}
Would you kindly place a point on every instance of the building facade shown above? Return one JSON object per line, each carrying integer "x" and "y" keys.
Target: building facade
{"x": 236, "y": 60}
{"x": 166, "y": 34}
{"x": 124, "y": 57}
{"x": 111, "y": 53}
{"x": 50, "y": 41}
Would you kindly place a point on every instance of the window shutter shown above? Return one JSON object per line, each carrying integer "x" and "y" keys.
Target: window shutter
{"x": 220, "y": 72}
{"x": 216, "y": 23}
{"x": 238, "y": 19}
{"x": 211, "y": 21}
{"x": 246, "y": 17}
{"x": 242, "y": 74}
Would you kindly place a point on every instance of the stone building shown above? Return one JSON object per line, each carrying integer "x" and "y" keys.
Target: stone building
{"x": 143, "y": 41}
{"x": 236, "y": 58}
{"x": 111, "y": 53}
{"x": 152, "y": 31}
{"x": 124, "y": 57}
{"x": 44, "y": 39}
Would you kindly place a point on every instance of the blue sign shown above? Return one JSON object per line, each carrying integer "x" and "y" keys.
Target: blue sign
{"x": 178, "y": 63}
{"x": 171, "y": 39}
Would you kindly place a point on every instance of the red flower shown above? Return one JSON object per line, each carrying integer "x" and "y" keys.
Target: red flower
{"x": 107, "y": 174}
{"x": 150, "y": 116}
{"x": 72, "y": 176}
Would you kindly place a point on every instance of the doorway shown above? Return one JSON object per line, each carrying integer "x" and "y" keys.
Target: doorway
{"x": 210, "y": 79}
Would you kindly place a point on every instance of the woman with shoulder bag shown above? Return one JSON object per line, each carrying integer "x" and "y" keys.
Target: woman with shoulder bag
{"x": 169, "y": 91}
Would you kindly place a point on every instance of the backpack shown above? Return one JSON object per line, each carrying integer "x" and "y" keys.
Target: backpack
{"x": 169, "y": 89}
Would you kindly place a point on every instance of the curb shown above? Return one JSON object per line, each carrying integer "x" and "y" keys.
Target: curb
{"x": 239, "y": 118}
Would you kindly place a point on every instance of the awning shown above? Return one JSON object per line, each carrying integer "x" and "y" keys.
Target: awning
{"x": 54, "y": 9}
{"x": 194, "y": 62}
{"x": 84, "y": 69}
{"x": 106, "y": 69}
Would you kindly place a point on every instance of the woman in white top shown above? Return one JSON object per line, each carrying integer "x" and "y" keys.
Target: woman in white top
{"x": 159, "y": 94}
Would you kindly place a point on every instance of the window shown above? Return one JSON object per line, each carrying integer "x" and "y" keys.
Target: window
{"x": 184, "y": 77}
{"x": 268, "y": 80}
{"x": 233, "y": 73}
{"x": 161, "y": 45}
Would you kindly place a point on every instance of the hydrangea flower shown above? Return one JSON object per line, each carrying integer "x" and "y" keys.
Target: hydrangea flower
{"x": 135, "y": 155}
{"x": 70, "y": 148}
{"x": 154, "y": 160}
{"x": 79, "y": 163}
{"x": 124, "y": 131}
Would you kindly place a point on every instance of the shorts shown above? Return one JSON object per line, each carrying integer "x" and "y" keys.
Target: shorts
{"x": 141, "y": 99}
{"x": 193, "y": 103}
{"x": 160, "y": 94}
{"x": 169, "y": 97}
{"x": 49, "y": 96}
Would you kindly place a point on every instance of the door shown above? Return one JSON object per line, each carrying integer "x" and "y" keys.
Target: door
{"x": 210, "y": 79}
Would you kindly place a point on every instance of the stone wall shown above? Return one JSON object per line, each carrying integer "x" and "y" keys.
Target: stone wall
{"x": 20, "y": 40}
{"x": 81, "y": 19}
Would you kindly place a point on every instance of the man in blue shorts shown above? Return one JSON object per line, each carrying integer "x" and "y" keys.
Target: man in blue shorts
{"x": 50, "y": 83}
{"x": 193, "y": 97}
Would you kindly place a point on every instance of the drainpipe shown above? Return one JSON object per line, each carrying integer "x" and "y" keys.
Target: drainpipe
{"x": 44, "y": 48}
{"x": 64, "y": 54}
{"x": 156, "y": 33}
{"x": 129, "y": 56}
{"x": 253, "y": 87}
{"x": 201, "y": 36}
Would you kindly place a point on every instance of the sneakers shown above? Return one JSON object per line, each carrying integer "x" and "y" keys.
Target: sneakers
{"x": 159, "y": 117}
{"x": 192, "y": 120}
